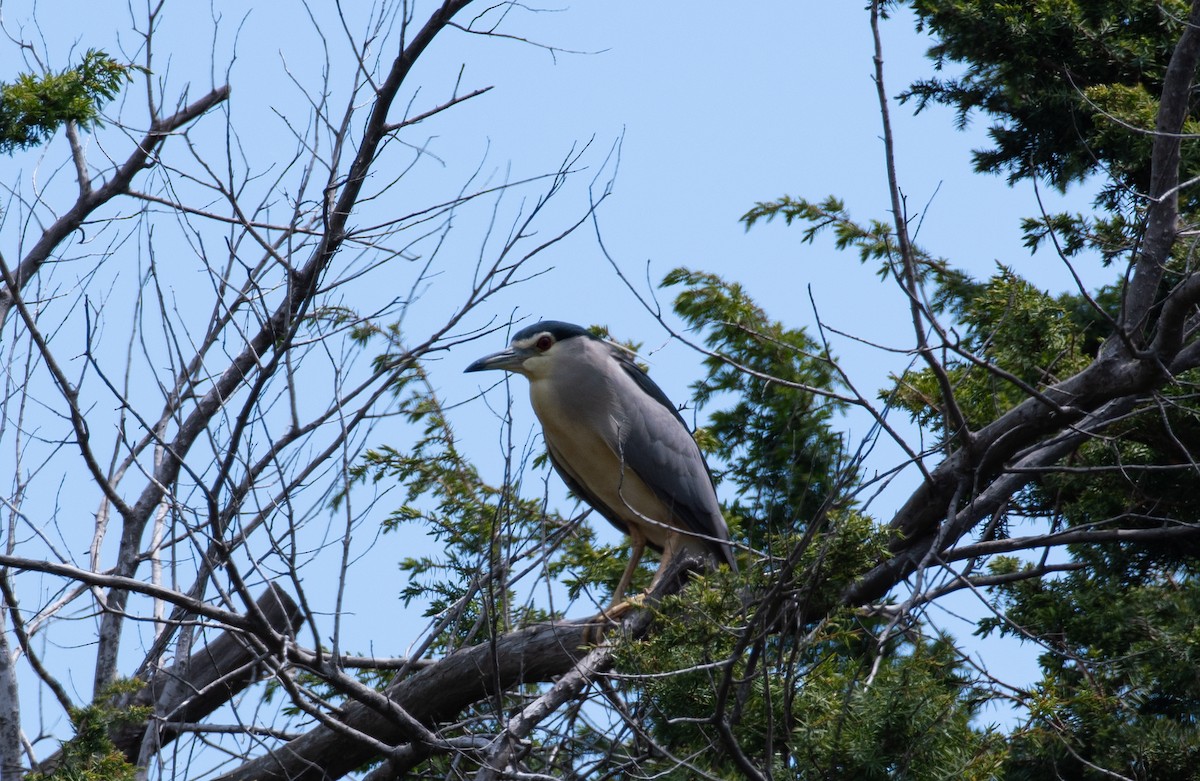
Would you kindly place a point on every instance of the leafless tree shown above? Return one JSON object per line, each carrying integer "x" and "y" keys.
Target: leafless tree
{"x": 185, "y": 391}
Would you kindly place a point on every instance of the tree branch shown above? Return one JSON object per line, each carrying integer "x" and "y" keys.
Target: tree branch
{"x": 444, "y": 688}
{"x": 1162, "y": 210}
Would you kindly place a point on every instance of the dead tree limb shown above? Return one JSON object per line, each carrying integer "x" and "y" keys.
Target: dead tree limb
{"x": 190, "y": 690}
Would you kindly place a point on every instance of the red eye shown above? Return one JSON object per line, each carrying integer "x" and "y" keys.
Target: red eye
{"x": 544, "y": 342}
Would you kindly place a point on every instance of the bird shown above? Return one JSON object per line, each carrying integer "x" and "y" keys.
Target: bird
{"x": 619, "y": 444}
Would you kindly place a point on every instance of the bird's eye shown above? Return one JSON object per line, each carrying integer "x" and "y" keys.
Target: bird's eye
{"x": 544, "y": 342}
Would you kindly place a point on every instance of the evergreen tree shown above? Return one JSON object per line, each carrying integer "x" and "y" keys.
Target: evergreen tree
{"x": 35, "y": 105}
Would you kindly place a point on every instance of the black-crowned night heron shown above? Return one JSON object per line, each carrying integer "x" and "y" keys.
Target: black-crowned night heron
{"x": 618, "y": 443}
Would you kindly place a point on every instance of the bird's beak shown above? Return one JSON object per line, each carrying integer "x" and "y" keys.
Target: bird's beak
{"x": 509, "y": 360}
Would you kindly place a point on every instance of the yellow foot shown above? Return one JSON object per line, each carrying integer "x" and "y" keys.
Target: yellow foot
{"x": 593, "y": 633}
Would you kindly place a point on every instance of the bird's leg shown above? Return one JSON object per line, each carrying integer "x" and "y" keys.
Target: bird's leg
{"x": 619, "y": 605}
{"x": 669, "y": 550}
{"x": 637, "y": 542}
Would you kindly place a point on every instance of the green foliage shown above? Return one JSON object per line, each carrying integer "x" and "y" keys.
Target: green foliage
{"x": 911, "y": 720}
{"x": 1033, "y": 338}
{"x": 1119, "y": 687}
{"x": 832, "y": 705}
{"x": 34, "y": 106}
{"x": 692, "y": 678}
{"x": 1140, "y": 477}
{"x": 90, "y": 755}
{"x": 873, "y": 241}
{"x": 775, "y": 436}
{"x": 479, "y": 527}
{"x": 1067, "y": 85}
{"x": 850, "y": 543}
{"x": 1071, "y": 234}
{"x": 1063, "y": 81}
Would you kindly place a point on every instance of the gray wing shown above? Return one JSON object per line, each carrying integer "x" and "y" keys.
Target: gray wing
{"x": 659, "y": 447}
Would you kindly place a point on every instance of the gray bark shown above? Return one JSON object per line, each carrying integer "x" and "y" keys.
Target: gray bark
{"x": 534, "y": 654}
{"x": 190, "y": 690}
{"x": 11, "y": 764}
